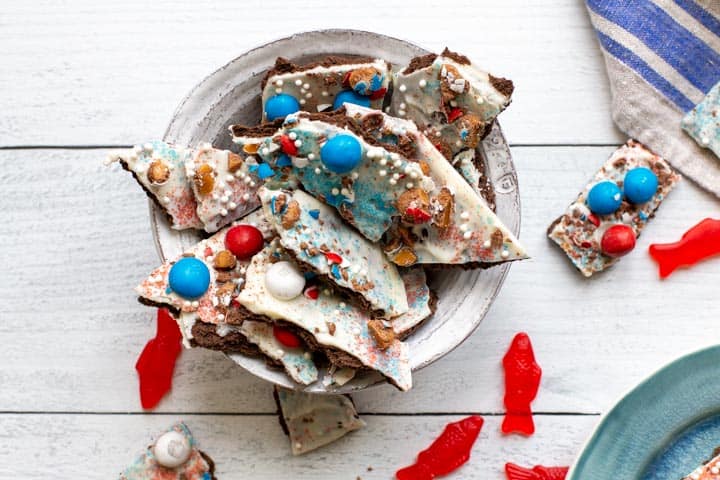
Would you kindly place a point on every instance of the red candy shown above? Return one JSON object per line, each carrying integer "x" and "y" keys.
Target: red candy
{"x": 617, "y": 241}
{"x": 378, "y": 94}
{"x": 522, "y": 380}
{"x": 286, "y": 337}
{"x": 454, "y": 114}
{"x": 244, "y": 241}
{"x": 156, "y": 363}
{"x": 312, "y": 292}
{"x": 698, "y": 243}
{"x": 592, "y": 218}
{"x": 288, "y": 146}
{"x": 515, "y": 472}
{"x": 418, "y": 215}
{"x": 448, "y": 452}
{"x": 333, "y": 258}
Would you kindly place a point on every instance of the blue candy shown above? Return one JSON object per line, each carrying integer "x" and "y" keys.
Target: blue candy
{"x": 640, "y": 185}
{"x": 604, "y": 198}
{"x": 280, "y": 106}
{"x": 341, "y": 153}
{"x": 189, "y": 278}
{"x": 264, "y": 171}
{"x": 349, "y": 96}
{"x": 283, "y": 161}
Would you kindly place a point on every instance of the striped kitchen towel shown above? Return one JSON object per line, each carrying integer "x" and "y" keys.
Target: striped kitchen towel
{"x": 662, "y": 58}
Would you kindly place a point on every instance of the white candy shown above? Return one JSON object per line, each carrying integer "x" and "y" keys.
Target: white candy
{"x": 284, "y": 281}
{"x": 172, "y": 449}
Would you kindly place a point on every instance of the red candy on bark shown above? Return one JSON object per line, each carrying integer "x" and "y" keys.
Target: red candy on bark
{"x": 286, "y": 337}
{"x": 454, "y": 114}
{"x": 333, "y": 257}
{"x": 378, "y": 94}
{"x": 288, "y": 146}
{"x": 617, "y": 241}
{"x": 244, "y": 241}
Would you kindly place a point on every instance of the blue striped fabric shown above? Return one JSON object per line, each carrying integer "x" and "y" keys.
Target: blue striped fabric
{"x": 700, "y": 14}
{"x": 645, "y": 71}
{"x": 649, "y": 23}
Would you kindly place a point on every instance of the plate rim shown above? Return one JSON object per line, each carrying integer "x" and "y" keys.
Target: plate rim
{"x": 452, "y": 311}
{"x": 585, "y": 449}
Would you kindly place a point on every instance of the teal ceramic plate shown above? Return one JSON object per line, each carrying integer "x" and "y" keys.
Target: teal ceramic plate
{"x": 661, "y": 430}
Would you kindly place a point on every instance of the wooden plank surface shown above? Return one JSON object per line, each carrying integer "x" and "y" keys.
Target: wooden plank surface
{"x": 98, "y": 73}
{"x": 38, "y": 447}
{"x": 76, "y": 329}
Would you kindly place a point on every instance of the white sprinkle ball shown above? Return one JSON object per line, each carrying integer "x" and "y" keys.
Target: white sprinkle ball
{"x": 232, "y": 205}
{"x": 311, "y": 156}
{"x": 464, "y": 215}
{"x": 298, "y": 82}
{"x": 335, "y": 191}
{"x": 467, "y": 235}
{"x": 422, "y": 83}
{"x": 279, "y": 82}
{"x": 278, "y": 90}
{"x": 306, "y": 86}
{"x": 302, "y": 101}
{"x": 318, "y": 171}
{"x": 292, "y": 135}
{"x": 402, "y": 88}
{"x": 487, "y": 244}
{"x": 382, "y": 173}
{"x": 409, "y": 185}
{"x": 298, "y": 142}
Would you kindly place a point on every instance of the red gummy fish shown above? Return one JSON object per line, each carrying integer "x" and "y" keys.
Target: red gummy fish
{"x": 450, "y": 450}
{"x": 157, "y": 361}
{"x": 700, "y": 242}
{"x": 516, "y": 472}
{"x": 522, "y": 379}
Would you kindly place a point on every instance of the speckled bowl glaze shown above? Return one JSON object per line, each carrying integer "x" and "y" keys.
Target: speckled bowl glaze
{"x": 661, "y": 430}
{"x": 232, "y": 95}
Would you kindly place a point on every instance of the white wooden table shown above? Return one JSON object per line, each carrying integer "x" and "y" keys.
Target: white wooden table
{"x": 78, "y": 78}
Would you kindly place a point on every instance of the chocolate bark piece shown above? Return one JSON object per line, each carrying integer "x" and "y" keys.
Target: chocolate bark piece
{"x": 452, "y": 102}
{"x": 315, "y": 85}
{"x": 367, "y": 197}
{"x": 311, "y": 316}
{"x": 708, "y": 470}
{"x": 318, "y": 239}
{"x": 213, "y": 307}
{"x": 315, "y": 420}
{"x": 703, "y": 122}
{"x": 159, "y": 168}
{"x": 579, "y": 232}
{"x": 224, "y": 184}
{"x": 177, "y": 445}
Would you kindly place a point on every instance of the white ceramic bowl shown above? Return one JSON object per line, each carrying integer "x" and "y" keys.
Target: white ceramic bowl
{"x": 232, "y": 95}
